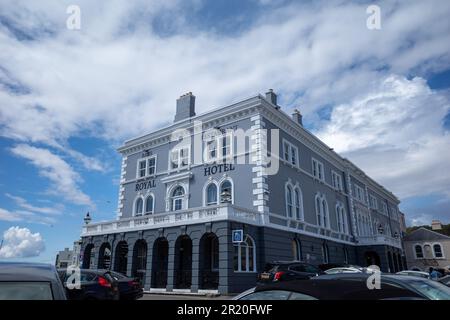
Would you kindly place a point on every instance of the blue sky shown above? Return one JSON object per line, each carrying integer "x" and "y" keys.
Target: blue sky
{"x": 69, "y": 98}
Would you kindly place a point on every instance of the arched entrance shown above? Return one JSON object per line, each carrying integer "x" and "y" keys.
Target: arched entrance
{"x": 121, "y": 257}
{"x": 390, "y": 262}
{"x": 183, "y": 263}
{"x": 372, "y": 258}
{"x": 88, "y": 257}
{"x": 160, "y": 263}
{"x": 209, "y": 261}
{"x": 396, "y": 263}
{"x": 139, "y": 260}
{"x": 104, "y": 256}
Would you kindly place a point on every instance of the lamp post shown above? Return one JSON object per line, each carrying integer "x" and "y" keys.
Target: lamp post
{"x": 87, "y": 219}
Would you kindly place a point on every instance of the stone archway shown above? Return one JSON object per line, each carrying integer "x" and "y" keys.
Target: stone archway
{"x": 183, "y": 263}
{"x": 139, "y": 265}
{"x": 160, "y": 263}
{"x": 121, "y": 257}
{"x": 209, "y": 261}
{"x": 104, "y": 256}
{"x": 88, "y": 256}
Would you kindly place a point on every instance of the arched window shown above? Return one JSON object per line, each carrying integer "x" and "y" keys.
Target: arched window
{"x": 318, "y": 211}
{"x": 325, "y": 213}
{"x": 138, "y": 206}
{"x": 298, "y": 203}
{"x": 289, "y": 202}
{"x": 322, "y": 211}
{"x": 211, "y": 194}
{"x": 296, "y": 250}
{"x": 325, "y": 253}
{"x": 177, "y": 198}
{"x": 149, "y": 205}
{"x": 339, "y": 218}
{"x": 226, "y": 192}
{"x": 437, "y": 248}
{"x": 419, "y": 251}
{"x": 245, "y": 255}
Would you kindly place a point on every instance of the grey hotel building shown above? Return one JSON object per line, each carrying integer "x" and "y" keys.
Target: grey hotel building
{"x": 207, "y": 201}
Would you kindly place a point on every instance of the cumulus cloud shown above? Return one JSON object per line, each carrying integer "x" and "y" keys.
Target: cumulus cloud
{"x": 21, "y": 243}
{"x": 64, "y": 180}
{"x": 395, "y": 133}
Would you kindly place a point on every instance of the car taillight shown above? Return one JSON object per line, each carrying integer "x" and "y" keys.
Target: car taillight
{"x": 278, "y": 276}
{"x": 103, "y": 282}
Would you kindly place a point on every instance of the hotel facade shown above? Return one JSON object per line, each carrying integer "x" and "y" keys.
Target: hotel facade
{"x": 207, "y": 201}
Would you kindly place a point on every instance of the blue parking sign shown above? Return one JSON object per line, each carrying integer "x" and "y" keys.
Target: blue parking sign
{"x": 237, "y": 236}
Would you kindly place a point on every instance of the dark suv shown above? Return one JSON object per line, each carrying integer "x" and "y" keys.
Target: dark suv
{"x": 288, "y": 270}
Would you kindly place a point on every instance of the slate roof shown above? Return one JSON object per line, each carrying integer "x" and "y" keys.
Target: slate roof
{"x": 423, "y": 234}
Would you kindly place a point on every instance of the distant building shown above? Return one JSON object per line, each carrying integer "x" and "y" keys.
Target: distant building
{"x": 426, "y": 248}
{"x": 402, "y": 222}
{"x": 76, "y": 253}
{"x": 64, "y": 258}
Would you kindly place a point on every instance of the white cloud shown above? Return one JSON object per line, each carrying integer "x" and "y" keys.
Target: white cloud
{"x": 395, "y": 133}
{"x": 64, "y": 180}
{"x": 420, "y": 220}
{"x": 23, "y": 203}
{"x": 6, "y": 215}
{"x": 21, "y": 243}
{"x": 26, "y": 216}
{"x": 117, "y": 77}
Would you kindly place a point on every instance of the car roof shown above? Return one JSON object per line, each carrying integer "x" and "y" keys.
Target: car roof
{"x": 26, "y": 271}
{"x": 341, "y": 286}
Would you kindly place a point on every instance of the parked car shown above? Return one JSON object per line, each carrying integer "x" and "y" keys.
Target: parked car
{"x": 29, "y": 281}
{"x": 344, "y": 270}
{"x": 94, "y": 285}
{"x": 129, "y": 288}
{"x": 350, "y": 286}
{"x": 287, "y": 270}
{"x": 445, "y": 280}
{"x": 413, "y": 273}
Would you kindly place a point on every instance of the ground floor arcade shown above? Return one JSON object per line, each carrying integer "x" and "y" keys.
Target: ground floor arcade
{"x": 202, "y": 257}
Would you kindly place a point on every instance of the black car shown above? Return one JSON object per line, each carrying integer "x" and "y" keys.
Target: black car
{"x": 350, "y": 287}
{"x": 129, "y": 288}
{"x": 287, "y": 271}
{"x": 94, "y": 285}
{"x": 29, "y": 281}
{"x": 445, "y": 280}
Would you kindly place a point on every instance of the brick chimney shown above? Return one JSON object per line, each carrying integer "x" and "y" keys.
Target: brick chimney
{"x": 185, "y": 107}
{"x": 297, "y": 117}
{"x": 436, "y": 225}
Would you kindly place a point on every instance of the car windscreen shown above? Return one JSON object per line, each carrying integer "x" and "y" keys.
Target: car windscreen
{"x": 430, "y": 289}
{"x": 25, "y": 291}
